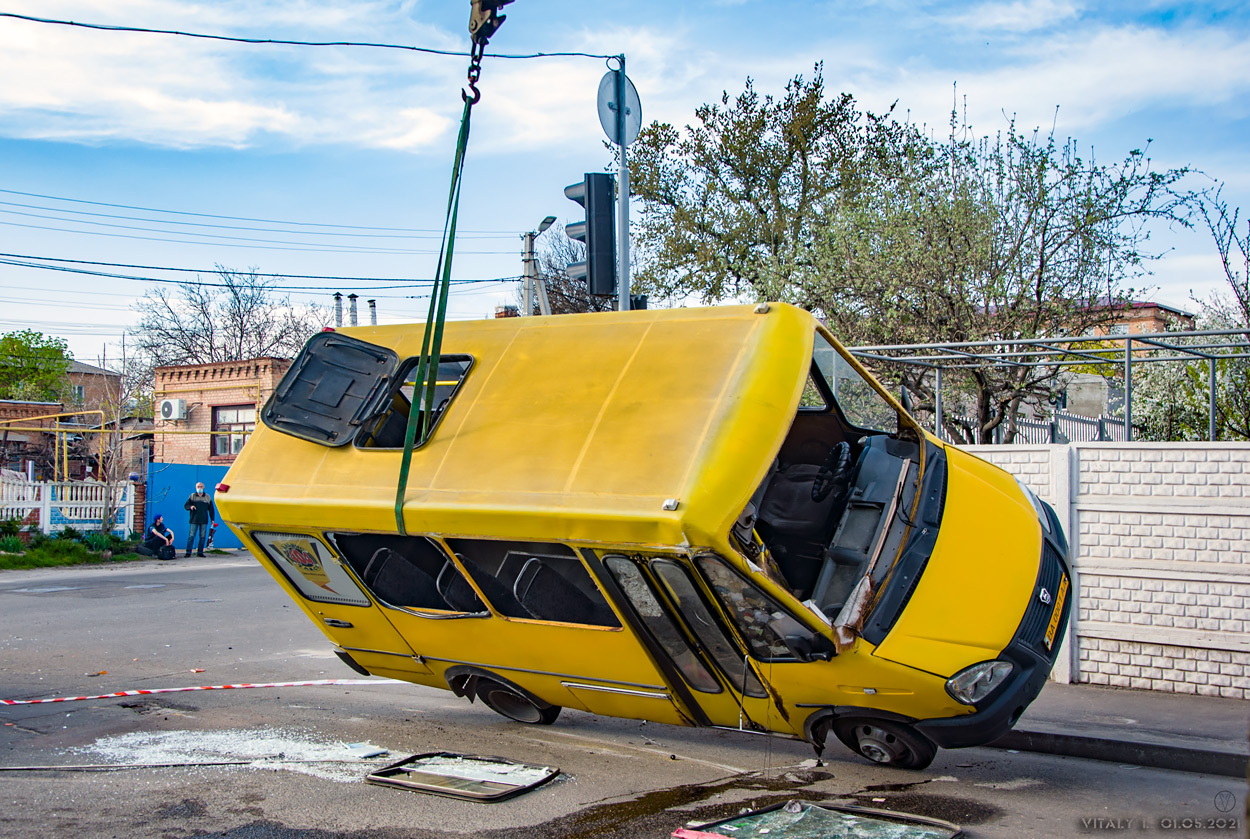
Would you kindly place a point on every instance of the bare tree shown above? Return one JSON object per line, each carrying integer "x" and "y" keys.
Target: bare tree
{"x": 235, "y": 316}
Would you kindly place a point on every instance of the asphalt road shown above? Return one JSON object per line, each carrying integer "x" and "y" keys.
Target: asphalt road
{"x": 150, "y": 624}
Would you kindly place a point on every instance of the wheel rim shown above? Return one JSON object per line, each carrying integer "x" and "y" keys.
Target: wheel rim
{"x": 879, "y": 745}
{"x": 512, "y": 705}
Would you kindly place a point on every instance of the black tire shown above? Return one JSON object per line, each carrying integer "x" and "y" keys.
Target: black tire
{"x": 886, "y": 743}
{"x": 507, "y": 702}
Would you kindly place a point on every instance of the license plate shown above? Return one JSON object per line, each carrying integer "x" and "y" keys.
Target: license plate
{"x": 1057, "y": 612}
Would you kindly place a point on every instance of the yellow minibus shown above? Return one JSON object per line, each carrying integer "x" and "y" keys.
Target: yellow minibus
{"x": 705, "y": 517}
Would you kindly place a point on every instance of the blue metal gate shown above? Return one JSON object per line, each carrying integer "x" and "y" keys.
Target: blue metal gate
{"x": 169, "y": 484}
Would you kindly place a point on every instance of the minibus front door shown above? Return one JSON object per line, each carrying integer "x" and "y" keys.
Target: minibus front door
{"x": 718, "y": 676}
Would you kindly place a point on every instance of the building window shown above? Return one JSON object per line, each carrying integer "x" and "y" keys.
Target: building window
{"x": 79, "y": 392}
{"x": 1118, "y": 329}
{"x": 237, "y": 422}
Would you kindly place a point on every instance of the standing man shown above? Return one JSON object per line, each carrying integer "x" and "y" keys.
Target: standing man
{"x": 200, "y": 506}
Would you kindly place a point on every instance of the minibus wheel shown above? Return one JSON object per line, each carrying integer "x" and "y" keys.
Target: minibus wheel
{"x": 884, "y": 742}
{"x": 515, "y": 706}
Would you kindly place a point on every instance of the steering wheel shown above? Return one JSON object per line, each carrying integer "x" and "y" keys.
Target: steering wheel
{"x": 834, "y": 474}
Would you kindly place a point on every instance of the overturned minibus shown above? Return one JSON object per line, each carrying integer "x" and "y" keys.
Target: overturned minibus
{"x": 705, "y": 517}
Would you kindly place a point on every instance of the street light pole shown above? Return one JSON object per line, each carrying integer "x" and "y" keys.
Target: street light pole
{"x": 529, "y": 265}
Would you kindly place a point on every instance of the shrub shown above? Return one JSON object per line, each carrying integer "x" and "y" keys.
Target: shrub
{"x": 11, "y": 544}
{"x": 11, "y": 526}
{"x": 39, "y": 539}
{"x": 98, "y": 541}
{"x": 70, "y": 534}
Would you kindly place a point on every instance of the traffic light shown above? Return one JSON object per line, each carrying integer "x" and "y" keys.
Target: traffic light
{"x": 596, "y": 193}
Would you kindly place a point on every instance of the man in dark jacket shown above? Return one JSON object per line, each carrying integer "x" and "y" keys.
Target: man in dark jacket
{"x": 200, "y": 506}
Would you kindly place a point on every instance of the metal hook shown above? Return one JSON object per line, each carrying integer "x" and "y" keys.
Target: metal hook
{"x": 477, "y": 94}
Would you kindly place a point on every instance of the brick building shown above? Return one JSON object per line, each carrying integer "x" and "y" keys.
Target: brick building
{"x": 18, "y": 447}
{"x": 91, "y": 388}
{"x": 217, "y": 403}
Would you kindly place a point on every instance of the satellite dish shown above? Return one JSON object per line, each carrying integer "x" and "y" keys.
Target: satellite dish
{"x": 608, "y": 108}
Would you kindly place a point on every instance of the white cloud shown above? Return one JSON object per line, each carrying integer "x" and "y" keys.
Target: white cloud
{"x": 1018, "y": 16}
{"x": 1092, "y": 77}
{"x": 89, "y": 86}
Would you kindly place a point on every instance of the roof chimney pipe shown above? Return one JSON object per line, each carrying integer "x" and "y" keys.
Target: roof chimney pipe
{"x": 351, "y": 309}
{"x": 373, "y": 313}
{"x": 338, "y": 308}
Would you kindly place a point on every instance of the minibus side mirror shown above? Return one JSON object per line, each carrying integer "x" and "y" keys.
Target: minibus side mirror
{"x": 803, "y": 644}
{"x": 810, "y": 647}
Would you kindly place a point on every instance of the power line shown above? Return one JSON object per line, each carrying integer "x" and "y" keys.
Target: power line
{"x": 294, "y": 43}
{"x": 235, "y": 218}
{"x": 277, "y": 247}
{"x": 406, "y": 281}
{"x": 69, "y": 270}
{"x": 429, "y": 235}
{"x": 339, "y": 247}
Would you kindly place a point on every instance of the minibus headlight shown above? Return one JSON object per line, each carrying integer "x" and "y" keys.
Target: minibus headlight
{"x": 972, "y": 684}
{"x": 1037, "y": 504}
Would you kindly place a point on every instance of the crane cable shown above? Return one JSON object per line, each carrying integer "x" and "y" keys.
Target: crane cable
{"x": 484, "y": 20}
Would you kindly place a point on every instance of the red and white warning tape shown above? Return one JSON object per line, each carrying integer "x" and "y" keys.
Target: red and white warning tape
{"x": 148, "y": 692}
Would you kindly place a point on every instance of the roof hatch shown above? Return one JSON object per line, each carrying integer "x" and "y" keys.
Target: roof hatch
{"x": 335, "y": 385}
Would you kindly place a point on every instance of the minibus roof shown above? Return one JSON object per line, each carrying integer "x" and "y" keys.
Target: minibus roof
{"x": 572, "y": 427}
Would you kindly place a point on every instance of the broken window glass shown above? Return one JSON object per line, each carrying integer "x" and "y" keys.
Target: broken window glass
{"x": 660, "y": 624}
{"x": 463, "y": 776}
{"x": 706, "y": 628}
{"x": 801, "y": 820}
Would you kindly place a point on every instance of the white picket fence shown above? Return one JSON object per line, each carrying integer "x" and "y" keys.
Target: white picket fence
{"x": 77, "y": 504}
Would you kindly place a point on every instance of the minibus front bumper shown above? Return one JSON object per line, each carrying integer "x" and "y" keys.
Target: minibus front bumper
{"x": 1029, "y": 655}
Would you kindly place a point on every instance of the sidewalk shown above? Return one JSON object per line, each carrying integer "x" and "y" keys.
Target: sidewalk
{"x": 1146, "y": 728}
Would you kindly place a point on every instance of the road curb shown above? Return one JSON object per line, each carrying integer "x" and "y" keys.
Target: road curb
{"x": 1157, "y": 755}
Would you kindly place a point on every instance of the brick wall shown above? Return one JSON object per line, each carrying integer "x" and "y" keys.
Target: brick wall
{"x": 203, "y": 387}
{"x": 1160, "y": 536}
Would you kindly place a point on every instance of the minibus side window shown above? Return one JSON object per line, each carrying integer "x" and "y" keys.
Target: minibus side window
{"x": 763, "y": 623}
{"x": 389, "y": 429}
{"x": 659, "y": 624}
{"x": 710, "y": 634}
{"x": 408, "y": 572}
{"x": 534, "y": 580}
{"x": 310, "y": 567}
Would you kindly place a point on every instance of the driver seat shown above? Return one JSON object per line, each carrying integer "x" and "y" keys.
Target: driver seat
{"x": 794, "y": 527}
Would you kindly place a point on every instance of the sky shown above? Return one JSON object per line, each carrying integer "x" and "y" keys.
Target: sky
{"x": 167, "y": 151}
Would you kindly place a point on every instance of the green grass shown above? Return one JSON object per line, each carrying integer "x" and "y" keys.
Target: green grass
{"x": 53, "y": 552}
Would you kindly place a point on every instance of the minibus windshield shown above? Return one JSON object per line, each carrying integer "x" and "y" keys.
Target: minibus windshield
{"x": 860, "y": 402}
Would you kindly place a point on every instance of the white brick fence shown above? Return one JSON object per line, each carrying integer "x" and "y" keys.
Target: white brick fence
{"x": 1160, "y": 545}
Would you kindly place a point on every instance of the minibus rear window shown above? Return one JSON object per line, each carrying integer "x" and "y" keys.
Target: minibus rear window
{"x": 408, "y": 572}
{"x": 310, "y": 567}
{"x": 534, "y": 580}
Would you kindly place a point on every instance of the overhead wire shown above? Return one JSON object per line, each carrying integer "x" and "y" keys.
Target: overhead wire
{"x": 405, "y": 281}
{"x": 258, "y": 244}
{"x": 231, "y": 218}
{"x": 295, "y": 43}
{"x": 5, "y": 260}
{"x": 225, "y": 226}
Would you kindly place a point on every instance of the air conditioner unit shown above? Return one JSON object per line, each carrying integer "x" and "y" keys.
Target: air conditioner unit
{"x": 173, "y": 409}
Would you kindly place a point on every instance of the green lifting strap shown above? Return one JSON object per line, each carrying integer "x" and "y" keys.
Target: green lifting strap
{"x": 422, "y": 407}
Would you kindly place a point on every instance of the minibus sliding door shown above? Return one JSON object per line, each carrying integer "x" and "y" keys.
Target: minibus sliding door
{"x": 717, "y": 674}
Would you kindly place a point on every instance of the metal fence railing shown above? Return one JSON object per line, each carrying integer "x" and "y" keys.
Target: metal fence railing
{"x": 1063, "y": 427}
